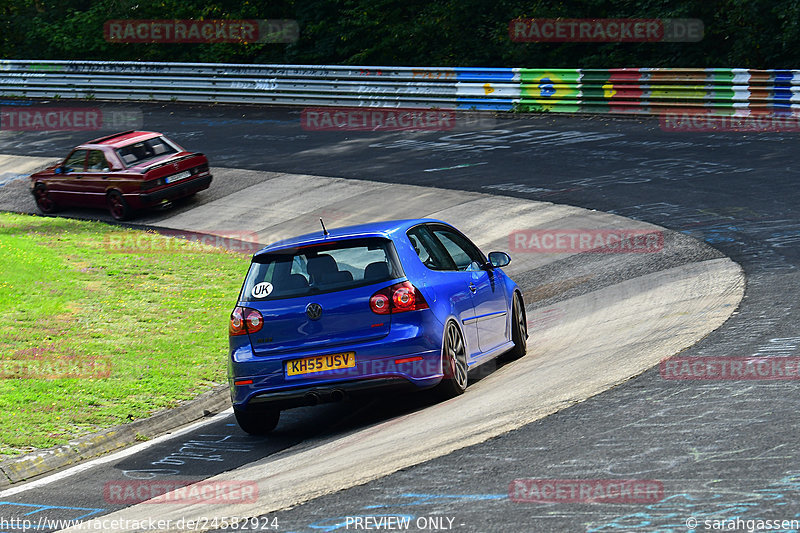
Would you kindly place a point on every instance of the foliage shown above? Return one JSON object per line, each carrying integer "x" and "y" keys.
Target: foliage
{"x": 739, "y": 33}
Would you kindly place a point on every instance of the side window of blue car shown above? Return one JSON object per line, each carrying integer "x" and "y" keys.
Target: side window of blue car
{"x": 463, "y": 253}
{"x": 432, "y": 254}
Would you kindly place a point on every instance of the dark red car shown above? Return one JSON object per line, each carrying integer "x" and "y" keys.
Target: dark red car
{"x": 122, "y": 172}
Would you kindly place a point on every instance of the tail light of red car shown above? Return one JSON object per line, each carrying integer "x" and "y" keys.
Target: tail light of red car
{"x": 152, "y": 184}
{"x": 202, "y": 169}
{"x": 245, "y": 320}
{"x": 397, "y": 298}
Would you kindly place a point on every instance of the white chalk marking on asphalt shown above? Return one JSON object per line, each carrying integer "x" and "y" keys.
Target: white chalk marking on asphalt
{"x": 457, "y": 166}
{"x": 77, "y": 469}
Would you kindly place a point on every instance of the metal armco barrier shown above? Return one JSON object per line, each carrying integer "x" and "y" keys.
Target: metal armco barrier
{"x": 627, "y": 90}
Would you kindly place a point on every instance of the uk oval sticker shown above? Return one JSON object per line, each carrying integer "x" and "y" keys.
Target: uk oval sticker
{"x": 262, "y": 290}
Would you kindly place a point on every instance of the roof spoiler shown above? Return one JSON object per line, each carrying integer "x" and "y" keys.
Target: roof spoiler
{"x": 170, "y": 161}
{"x": 101, "y": 139}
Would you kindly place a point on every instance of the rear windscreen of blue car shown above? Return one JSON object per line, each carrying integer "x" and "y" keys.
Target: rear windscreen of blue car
{"x": 321, "y": 268}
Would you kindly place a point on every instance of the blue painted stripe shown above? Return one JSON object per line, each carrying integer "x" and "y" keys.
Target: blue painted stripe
{"x": 483, "y": 105}
{"x": 782, "y": 93}
{"x": 782, "y": 76}
{"x": 484, "y": 75}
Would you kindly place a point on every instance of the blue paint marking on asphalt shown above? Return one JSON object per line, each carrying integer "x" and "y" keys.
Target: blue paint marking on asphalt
{"x": 38, "y": 508}
{"x": 15, "y": 102}
{"x": 422, "y": 499}
{"x": 671, "y": 513}
{"x": 4, "y": 180}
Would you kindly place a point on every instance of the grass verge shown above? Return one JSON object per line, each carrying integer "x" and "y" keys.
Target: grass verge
{"x": 92, "y": 337}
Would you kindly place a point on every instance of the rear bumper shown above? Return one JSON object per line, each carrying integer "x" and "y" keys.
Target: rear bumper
{"x": 333, "y": 392}
{"x": 408, "y": 356}
{"x": 270, "y": 384}
{"x": 173, "y": 192}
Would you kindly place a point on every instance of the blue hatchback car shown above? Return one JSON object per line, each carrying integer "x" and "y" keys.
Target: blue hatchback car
{"x": 409, "y": 303}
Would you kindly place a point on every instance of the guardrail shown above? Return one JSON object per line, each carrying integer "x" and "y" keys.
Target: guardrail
{"x": 633, "y": 90}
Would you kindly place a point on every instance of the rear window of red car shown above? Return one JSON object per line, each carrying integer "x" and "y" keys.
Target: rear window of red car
{"x": 141, "y": 152}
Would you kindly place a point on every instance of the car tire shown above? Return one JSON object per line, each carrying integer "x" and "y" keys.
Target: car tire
{"x": 519, "y": 331}
{"x": 454, "y": 363}
{"x": 43, "y": 201}
{"x": 117, "y": 206}
{"x": 257, "y": 420}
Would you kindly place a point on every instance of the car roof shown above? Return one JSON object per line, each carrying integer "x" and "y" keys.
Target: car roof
{"x": 387, "y": 228}
{"x": 124, "y": 138}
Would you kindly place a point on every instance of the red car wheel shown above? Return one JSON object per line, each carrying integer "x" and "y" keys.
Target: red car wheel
{"x": 117, "y": 206}
{"x": 43, "y": 200}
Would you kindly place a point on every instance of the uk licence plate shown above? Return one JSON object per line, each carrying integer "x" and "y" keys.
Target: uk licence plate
{"x": 320, "y": 363}
{"x": 178, "y": 177}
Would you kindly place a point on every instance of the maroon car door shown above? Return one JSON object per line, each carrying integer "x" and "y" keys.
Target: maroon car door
{"x": 64, "y": 186}
{"x": 96, "y": 179}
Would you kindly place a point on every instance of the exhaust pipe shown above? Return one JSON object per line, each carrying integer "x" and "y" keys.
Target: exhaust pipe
{"x": 312, "y": 398}
{"x": 337, "y": 395}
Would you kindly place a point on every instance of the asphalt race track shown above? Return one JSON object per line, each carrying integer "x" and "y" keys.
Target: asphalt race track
{"x": 665, "y": 300}
{"x": 721, "y": 449}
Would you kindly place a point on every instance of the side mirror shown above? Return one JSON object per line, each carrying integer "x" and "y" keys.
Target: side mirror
{"x": 499, "y": 259}
{"x": 62, "y": 170}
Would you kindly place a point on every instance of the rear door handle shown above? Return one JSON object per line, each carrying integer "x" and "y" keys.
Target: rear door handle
{"x": 472, "y": 288}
